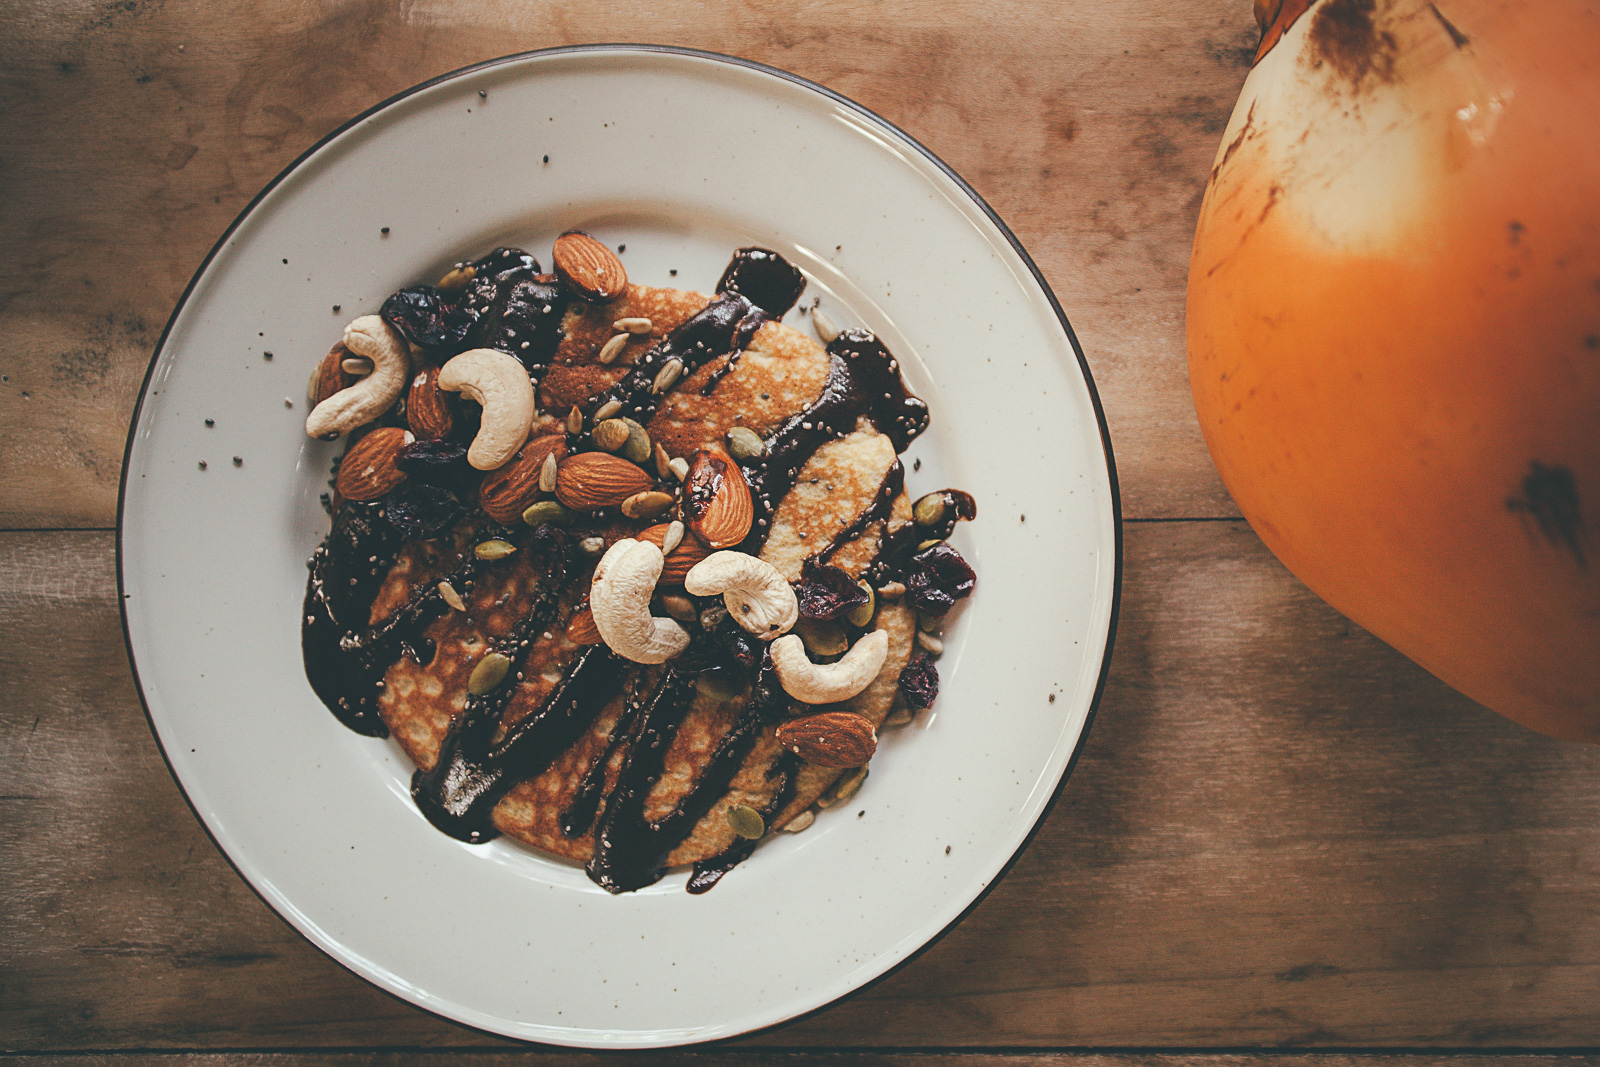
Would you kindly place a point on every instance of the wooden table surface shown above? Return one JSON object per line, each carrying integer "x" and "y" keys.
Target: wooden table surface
{"x": 1281, "y": 836}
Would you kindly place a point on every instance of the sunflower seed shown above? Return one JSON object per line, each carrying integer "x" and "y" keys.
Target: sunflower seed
{"x": 672, "y": 538}
{"x": 448, "y": 593}
{"x": 490, "y": 672}
{"x": 592, "y": 546}
{"x": 667, "y": 375}
{"x": 933, "y": 645}
{"x": 608, "y": 409}
{"x": 663, "y": 463}
{"x": 637, "y": 324}
{"x": 357, "y": 365}
{"x": 924, "y": 546}
{"x": 547, "y": 474}
{"x": 456, "y": 280}
{"x": 746, "y": 821}
{"x": 613, "y": 348}
{"x": 892, "y": 590}
{"x": 899, "y": 717}
{"x": 846, "y": 787}
{"x": 799, "y": 822}
{"x": 680, "y": 468}
{"x": 574, "y": 421}
{"x": 647, "y": 505}
{"x": 824, "y": 326}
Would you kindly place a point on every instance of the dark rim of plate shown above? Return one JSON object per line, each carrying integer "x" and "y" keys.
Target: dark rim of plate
{"x": 821, "y": 90}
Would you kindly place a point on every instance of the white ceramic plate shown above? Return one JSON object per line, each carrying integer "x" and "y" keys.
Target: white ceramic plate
{"x": 681, "y": 157}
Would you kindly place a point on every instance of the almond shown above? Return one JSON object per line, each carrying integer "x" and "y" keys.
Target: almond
{"x": 716, "y": 499}
{"x": 330, "y": 375}
{"x": 428, "y": 407}
{"x": 830, "y": 739}
{"x": 593, "y": 480}
{"x": 681, "y": 559}
{"x": 589, "y": 268}
{"x": 368, "y": 469}
{"x": 505, "y": 493}
{"x": 581, "y": 629}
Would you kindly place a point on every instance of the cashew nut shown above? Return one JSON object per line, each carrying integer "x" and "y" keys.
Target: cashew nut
{"x": 811, "y": 684}
{"x": 619, "y": 600}
{"x": 500, "y": 383}
{"x": 359, "y": 404}
{"x": 756, "y": 592}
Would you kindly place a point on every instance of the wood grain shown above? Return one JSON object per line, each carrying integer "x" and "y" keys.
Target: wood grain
{"x": 1280, "y": 833}
{"x": 133, "y": 131}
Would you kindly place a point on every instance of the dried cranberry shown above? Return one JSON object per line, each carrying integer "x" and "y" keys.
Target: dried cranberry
{"x": 827, "y": 592}
{"x": 744, "y": 649}
{"x": 425, "y": 318}
{"x": 550, "y": 548}
{"x": 435, "y": 462}
{"x": 937, "y": 578}
{"x": 524, "y": 320}
{"x": 919, "y": 682}
{"x": 503, "y": 262}
{"x": 421, "y": 510}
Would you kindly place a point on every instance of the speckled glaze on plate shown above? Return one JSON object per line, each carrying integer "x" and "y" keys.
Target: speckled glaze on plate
{"x": 681, "y": 157}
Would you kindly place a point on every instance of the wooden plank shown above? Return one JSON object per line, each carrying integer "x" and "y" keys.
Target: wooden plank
{"x": 135, "y": 131}
{"x": 1280, "y": 833}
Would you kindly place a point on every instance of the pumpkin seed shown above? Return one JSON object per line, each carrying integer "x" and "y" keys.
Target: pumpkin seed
{"x": 849, "y": 785}
{"x": 680, "y": 468}
{"x": 746, "y": 821}
{"x": 592, "y": 546}
{"x": 669, "y": 372}
{"x": 929, "y": 623}
{"x": 929, "y": 544}
{"x": 799, "y": 822}
{"x": 357, "y": 365}
{"x": 543, "y": 511}
{"x": 744, "y": 443}
{"x": 672, "y": 538}
{"x": 680, "y": 607}
{"x": 456, "y": 280}
{"x": 574, "y": 421}
{"x": 613, "y": 348}
{"x": 495, "y": 549}
{"x": 930, "y": 510}
{"x": 638, "y": 324}
{"x": 607, "y": 410}
{"x": 610, "y": 435}
{"x": 822, "y": 638}
{"x": 932, "y": 644}
{"x": 547, "y": 474}
{"x": 489, "y": 673}
{"x": 899, "y": 717}
{"x": 861, "y": 614}
{"x": 636, "y": 449}
{"x": 448, "y": 594}
{"x": 824, "y": 326}
{"x": 647, "y": 505}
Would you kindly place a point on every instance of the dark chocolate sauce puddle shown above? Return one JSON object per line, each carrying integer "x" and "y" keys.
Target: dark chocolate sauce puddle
{"x": 765, "y": 278}
{"x": 346, "y": 659}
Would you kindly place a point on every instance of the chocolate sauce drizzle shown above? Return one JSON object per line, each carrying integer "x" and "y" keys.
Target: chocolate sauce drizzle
{"x": 723, "y": 327}
{"x": 346, "y": 659}
{"x": 863, "y": 381}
